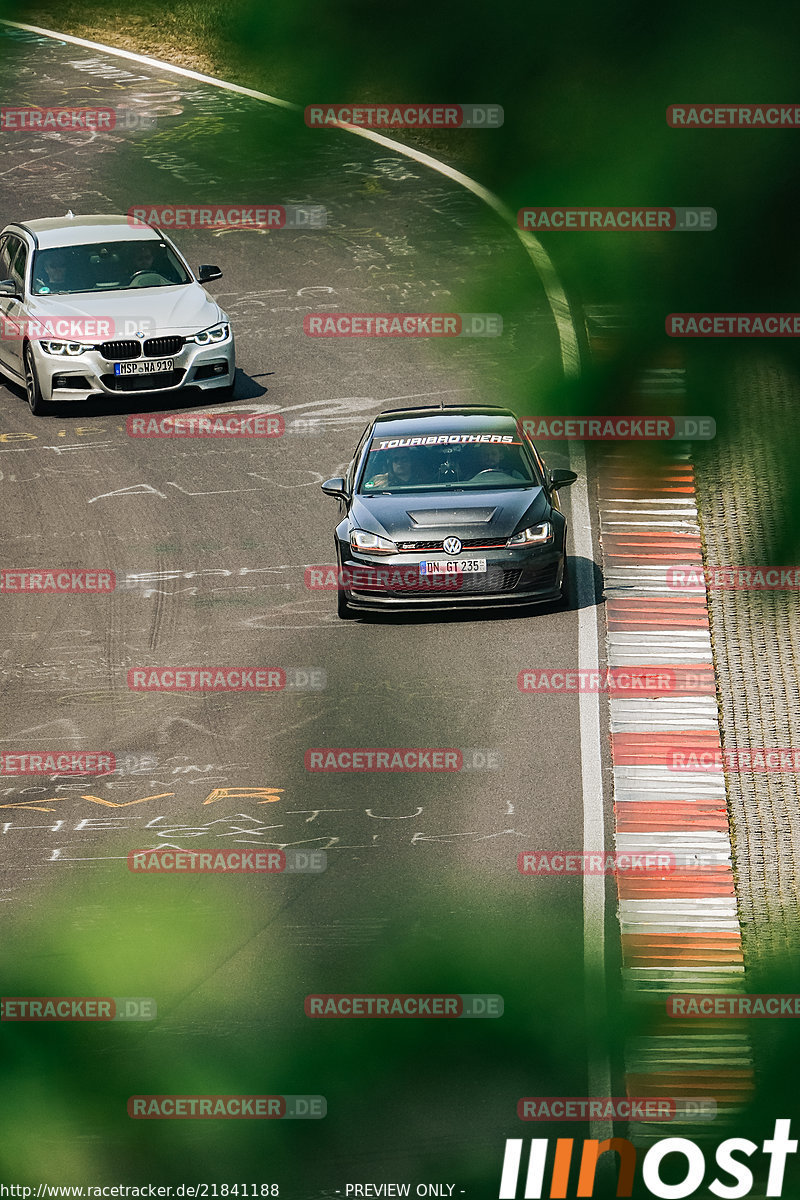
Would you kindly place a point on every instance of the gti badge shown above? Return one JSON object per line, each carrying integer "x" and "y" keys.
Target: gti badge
{"x": 451, "y": 545}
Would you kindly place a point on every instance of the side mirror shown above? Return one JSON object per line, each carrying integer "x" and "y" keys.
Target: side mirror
{"x": 559, "y": 479}
{"x": 8, "y": 288}
{"x": 335, "y": 487}
{"x": 206, "y": 273}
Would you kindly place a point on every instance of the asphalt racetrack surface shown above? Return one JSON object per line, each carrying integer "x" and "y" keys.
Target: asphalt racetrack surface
{"x": 210, "y": 540}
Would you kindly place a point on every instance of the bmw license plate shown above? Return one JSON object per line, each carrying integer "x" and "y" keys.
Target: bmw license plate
{"x": 453, "y": 566}
{"x": 148, "y": 366}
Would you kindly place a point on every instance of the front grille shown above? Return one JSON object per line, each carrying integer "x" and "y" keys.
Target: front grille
{"x": 121, "y": 349}
{"x": 467, "y": 544}
{"x": 160, "y": 347}
{"x": 143, "y": 383}
{"x": 495, "y": 579}
{"x": 163, "y": 347}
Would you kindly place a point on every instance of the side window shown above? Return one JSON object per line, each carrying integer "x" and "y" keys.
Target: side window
{"x": 5, "y": 256}
{"x": 19, "y": 262}
{"x": 351, "y": 470}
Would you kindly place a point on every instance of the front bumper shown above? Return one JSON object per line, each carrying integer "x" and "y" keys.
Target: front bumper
{"x": 82, "y": 376}
{"x": 392, "y": 582}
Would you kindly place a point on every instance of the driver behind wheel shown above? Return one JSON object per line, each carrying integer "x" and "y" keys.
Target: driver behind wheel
{"x": 141, "y": 259}
{"x": 496, "y": 458}
{"x": 147, "y": 259}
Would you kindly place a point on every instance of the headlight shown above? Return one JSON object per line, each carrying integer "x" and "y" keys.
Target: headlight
{"x": 371, "y": 542}
{"x": 64, "y": 348}
{"x": 217, "y": 333}
{"x": 537, "y": 535}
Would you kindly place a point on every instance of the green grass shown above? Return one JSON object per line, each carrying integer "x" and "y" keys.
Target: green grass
{"x": 231, "y": 41}
{"x": 190, "y": 34}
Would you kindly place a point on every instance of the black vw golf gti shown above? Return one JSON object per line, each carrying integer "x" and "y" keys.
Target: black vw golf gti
{"x": 448, "y": 508}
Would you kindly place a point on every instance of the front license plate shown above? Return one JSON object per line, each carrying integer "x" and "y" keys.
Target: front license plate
{"x": 149, "y": 366}
{"x": 454, "y": 566}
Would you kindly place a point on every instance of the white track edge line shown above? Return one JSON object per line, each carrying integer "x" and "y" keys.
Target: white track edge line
{"x": 594, "y": 886}
{"x": 553, "y": 288}
{"x": 588, "y": 635}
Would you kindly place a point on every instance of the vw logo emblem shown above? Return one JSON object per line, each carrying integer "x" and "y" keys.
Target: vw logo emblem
{"x": 451, "y": 545}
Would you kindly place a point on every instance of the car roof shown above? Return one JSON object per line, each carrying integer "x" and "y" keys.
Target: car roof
{"x": 49, "y": 232}
{"x": 477, "y": 418}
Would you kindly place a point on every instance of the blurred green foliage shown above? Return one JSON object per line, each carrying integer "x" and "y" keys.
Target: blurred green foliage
{"x": 584, "y": 89}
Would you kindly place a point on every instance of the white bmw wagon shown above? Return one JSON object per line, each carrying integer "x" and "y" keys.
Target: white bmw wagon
{"x": 97, "y": 305}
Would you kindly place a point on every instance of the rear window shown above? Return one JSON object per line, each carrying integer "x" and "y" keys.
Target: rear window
{"x": 442, "y": 462}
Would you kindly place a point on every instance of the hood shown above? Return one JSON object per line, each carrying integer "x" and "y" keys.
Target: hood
{"x": 427, "y": 516}
{"x": 184, "y": 308}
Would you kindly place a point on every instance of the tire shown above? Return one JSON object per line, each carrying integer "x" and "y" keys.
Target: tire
{"x": 343, "y": 609}
{"x": 38, "y": 406}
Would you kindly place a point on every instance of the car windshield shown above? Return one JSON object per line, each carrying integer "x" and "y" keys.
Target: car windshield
{"x": 106, "y": 266}
{"x": 446, "y": 462}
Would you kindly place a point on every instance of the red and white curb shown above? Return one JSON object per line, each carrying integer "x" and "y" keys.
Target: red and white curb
{"x": 680, "y": 932}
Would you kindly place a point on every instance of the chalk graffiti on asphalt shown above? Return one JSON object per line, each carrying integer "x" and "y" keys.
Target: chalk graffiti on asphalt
{"x": 243, "y": 828}
{"x": 269, "y": 796}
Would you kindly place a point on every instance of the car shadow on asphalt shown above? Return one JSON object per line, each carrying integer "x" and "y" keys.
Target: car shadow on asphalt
{"x": 128, "y": 403}
{"x": 586, "y": 591}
